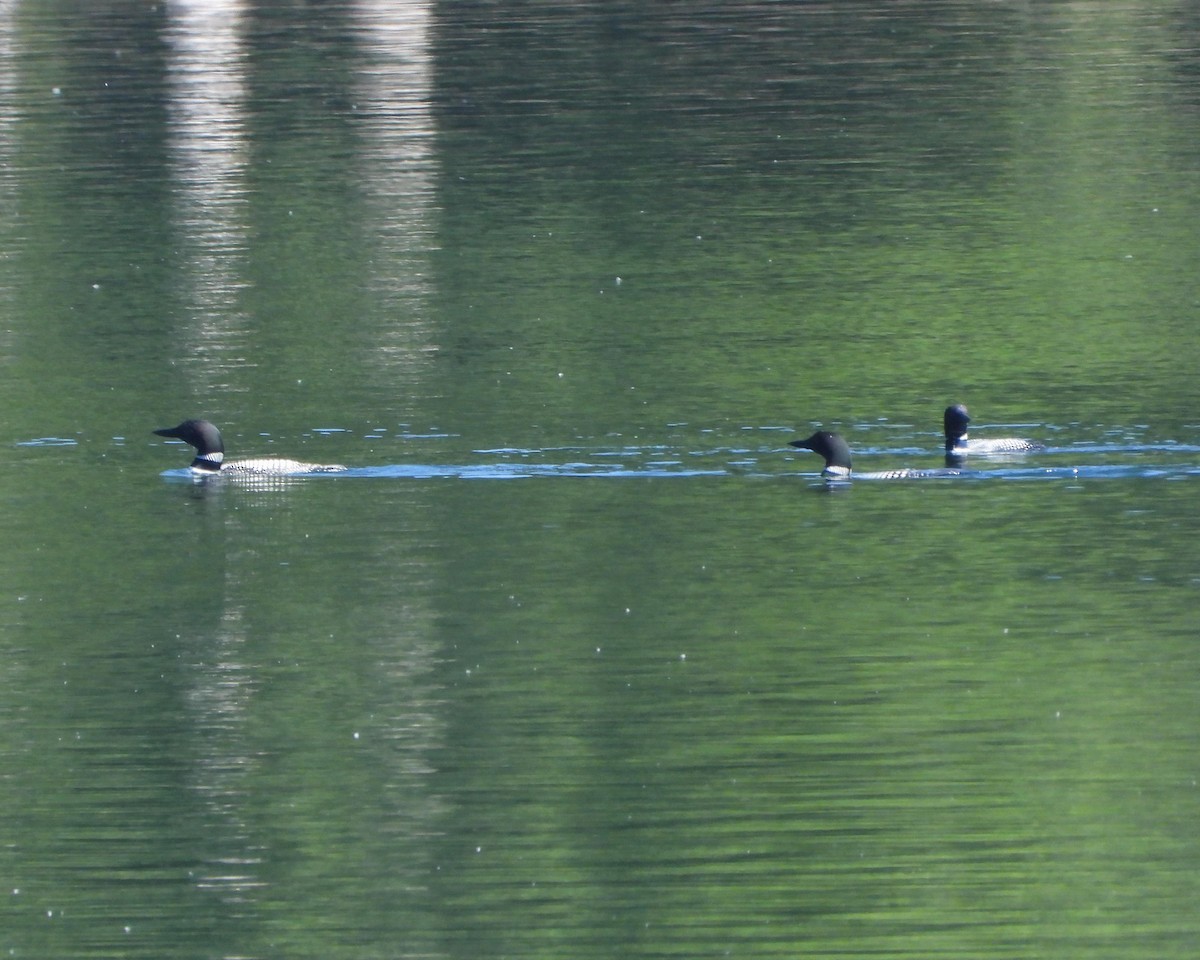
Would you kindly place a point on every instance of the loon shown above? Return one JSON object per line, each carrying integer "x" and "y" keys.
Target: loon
{"x": 835, "y": 450}
{"x": 210, "y": 455}
{"x": 954, "y": 422}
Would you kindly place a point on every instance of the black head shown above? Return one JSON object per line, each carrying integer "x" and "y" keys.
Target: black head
{"x": 954, "y": 422}
{"x": 831, "y": 446}
{"x": 201, "y": 434}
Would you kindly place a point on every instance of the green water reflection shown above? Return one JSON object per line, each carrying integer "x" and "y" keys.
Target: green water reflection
{"x": 710, "y": 709}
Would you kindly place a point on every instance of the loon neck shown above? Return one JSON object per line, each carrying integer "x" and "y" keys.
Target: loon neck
{"x": 208, "y": 462}
{"x": 953, "y": 442}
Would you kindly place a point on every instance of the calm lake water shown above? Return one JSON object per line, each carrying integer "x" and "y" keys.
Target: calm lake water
{"x": 579, "y": 658}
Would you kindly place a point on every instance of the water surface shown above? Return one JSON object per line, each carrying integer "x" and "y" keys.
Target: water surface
{"x": 661, "y": 691}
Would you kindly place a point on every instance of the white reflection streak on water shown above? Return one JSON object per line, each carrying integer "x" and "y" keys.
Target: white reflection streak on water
{"x": 208, "y": 157}
{"x": 393, "y": 92}
{"x": 8, "y": 85}
{"x": 208, "y": 163}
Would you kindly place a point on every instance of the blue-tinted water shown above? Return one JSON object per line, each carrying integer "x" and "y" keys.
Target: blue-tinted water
{"x": 762, "y": 452}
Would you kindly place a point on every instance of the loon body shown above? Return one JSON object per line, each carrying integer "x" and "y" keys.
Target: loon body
{"x": 836, "y": 452}
{"x": 210, "y": 455}
{"x": 954, "y": 422}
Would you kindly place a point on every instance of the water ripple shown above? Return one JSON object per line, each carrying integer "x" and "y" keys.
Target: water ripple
{"x": 48, "y": 442}
{"x": 1119, "y": 459}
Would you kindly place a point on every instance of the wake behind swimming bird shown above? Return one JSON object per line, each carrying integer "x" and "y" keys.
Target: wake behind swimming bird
{"x": 210, "y": 456}
{"x": 836, "y": 453}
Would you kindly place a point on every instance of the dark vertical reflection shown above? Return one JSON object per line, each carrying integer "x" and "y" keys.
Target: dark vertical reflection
{"x": 86, "y": 143}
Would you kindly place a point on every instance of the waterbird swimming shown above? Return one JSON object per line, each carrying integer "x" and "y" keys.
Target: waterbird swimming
{"x": 210, "y": 455}
{"x": 954, "y": 423}
{"x": 836, "y": 453}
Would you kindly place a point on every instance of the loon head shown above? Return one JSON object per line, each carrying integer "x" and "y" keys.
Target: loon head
{"x": 202, "y": 435}
{"x": 832, "y": 447}
{"x": 954, "y": 422}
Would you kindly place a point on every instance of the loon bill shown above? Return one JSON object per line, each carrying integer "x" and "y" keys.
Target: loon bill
{"x": 210, "y": 455}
